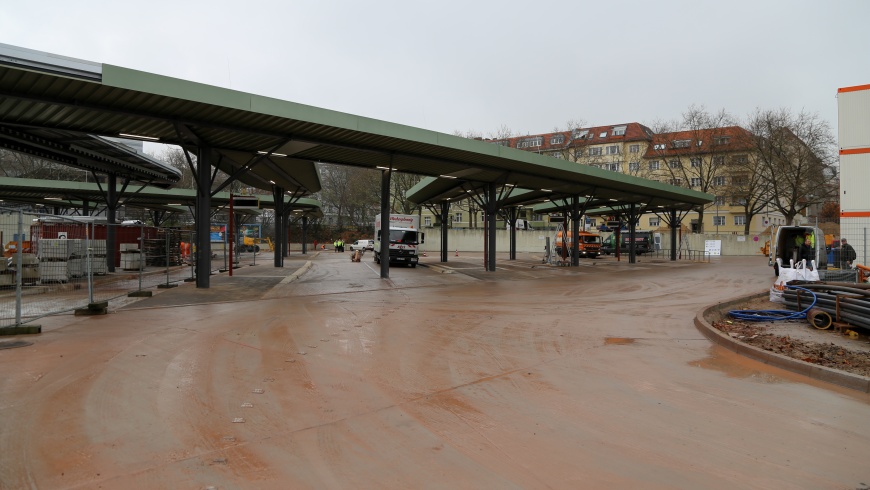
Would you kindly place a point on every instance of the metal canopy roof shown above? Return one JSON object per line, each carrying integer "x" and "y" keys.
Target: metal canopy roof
{"x": 73, "y": 194}
{"x": 593, "y": 190}
{"x": 108, "y": 100}
{"x": 88, "y": 152}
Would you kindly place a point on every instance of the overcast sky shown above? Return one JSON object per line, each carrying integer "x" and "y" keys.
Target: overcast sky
{"x": 478, "y": 65}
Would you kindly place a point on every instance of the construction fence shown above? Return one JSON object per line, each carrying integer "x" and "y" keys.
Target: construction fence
{"x": 55, "y": 264}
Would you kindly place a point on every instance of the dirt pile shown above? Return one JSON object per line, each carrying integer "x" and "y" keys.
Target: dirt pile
{"x": 853, "y": 357}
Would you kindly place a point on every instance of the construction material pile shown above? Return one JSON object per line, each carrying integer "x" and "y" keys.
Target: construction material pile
{"x": 846, "y": 303}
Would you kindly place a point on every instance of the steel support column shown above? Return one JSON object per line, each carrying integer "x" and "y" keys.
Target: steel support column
{"x": 385, "y": 222}
{"x": 491, "y": 211}
{"x": 111, "y": 219}
{"x": 512, "y": 226}
{"x": 632, "y": 246}
{"x": 203, "y": 216}
{"x": 280, "y": 238}
{"x": 674, "y": 225}
{"x": 305, "y": 235}
{"x": 445, "y": 211}
{"x": 575, "y": 232}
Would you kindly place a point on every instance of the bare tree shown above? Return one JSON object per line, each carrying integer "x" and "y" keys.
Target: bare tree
{"x": 797, "y": 153}
{"x": 691, "y": 149}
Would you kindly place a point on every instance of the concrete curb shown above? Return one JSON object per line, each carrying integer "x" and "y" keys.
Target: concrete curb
{"x": 821, "y": 373}
{"x": 295, "y": 275}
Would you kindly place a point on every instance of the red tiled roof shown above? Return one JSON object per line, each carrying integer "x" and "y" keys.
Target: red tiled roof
{"x": 739, "y": 140}
{"x": 633, "y": 132}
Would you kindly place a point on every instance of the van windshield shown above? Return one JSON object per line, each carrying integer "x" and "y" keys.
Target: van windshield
{"x": 402, "y": 236}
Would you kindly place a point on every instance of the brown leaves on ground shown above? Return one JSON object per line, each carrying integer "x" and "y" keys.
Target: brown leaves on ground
{"x": 823, "y": 354}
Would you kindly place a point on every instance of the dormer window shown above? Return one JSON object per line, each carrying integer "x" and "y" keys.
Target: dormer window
{"x": 603, "y": 135}
{"x": 721, "y": 140}
{"x": 618, "y": 131}
{"x": 681, "y": 143}
{"x": 557, "y": 139}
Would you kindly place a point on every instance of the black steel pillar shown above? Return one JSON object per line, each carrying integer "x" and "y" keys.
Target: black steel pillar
{"x": 304, "y": 235}
{"x": 632, "y": 246}
{"x": 85, "y": 205}
{"x": 203, "y": 216}
{"x": 385, "y": 222}
{"x": 445, "y": 211}
{"x": 491, "y": 210}
{"x": 575, "y": 231}
{"x": 280, "y": 235}
{"x": 512, "y": 227}
{"x": 285, "y": 251}
{"x": 674, "y": 225}
{"x": 111, "y": 220}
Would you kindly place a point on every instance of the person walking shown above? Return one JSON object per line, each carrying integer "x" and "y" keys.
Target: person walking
{"x": 847, "y": 254}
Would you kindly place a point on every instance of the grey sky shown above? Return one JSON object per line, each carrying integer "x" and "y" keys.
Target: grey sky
{"x": 478, "y": 65}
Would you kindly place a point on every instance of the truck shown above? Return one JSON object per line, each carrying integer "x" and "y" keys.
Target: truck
{"x": 404, "y": 239}
{"x": 588, "y": 245}
{"x": 643, "y": 243}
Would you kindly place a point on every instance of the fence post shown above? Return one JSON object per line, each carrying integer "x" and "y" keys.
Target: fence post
{"x": 141, "y": 261}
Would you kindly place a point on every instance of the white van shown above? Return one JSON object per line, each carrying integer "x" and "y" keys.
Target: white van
{"x": 521, "y": 225}
{"x": 362, "y": 245}
{"x": 785, "y": 247}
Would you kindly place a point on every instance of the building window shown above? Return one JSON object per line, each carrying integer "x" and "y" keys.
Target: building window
{"x": 578, "y": 154}
{"x": 740, "y": 159}
{"x": 594, "y": 152}
{"x": 738, "y": 180}
{"x": 720, "y": 201}
{"x": 695, "y": 182}
{"x": 659, "y": 147}
{"x": 654, "y": 222}
{"x": 530, "y": 142}
{"x": 696, "y": 162}
{"x": 654, "y": 165}
{"x": 618, "y": 130}
{"x": 613, "y": 167}
{"x": 557, "y": 139}
{"x": 427, "y": 221}
{"x": 719, "y": 180}
{"x": 457, "y": 218}
{"x": 634, "y": 166}
{"x": 590, "y": 221}
{"x": 556, "y": 154}
{"x": 579, "y": 134}
{"x": 740, "y": 220}
{"x": 719, "y": 160}
{"x": 681, "y": 143}
{"x": 613, "y": 150}
{"x": 603, "y": 135}
{"x": 634, "y": 148}
{"x": 503, "y": 143}
{"x": 676, "y": 181}
{"x": 721, "y": 140}
{"x": 674, "y": 163}
{"x": 718, "y": 221}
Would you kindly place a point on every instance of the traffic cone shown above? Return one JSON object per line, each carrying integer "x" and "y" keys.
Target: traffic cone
{"x": 424, "y": 254}
{"x": 457, "y": 252}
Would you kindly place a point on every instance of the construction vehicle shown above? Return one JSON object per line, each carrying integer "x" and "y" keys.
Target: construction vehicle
{"x": 588, "y": 245}
{"x": 251, "y": 244}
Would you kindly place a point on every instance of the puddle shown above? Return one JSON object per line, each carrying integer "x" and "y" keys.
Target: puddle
{"x": 618, "y": 341}
{"x": 734, "y": 368}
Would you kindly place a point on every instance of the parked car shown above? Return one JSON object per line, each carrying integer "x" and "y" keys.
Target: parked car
{"x": 362, "y": 245}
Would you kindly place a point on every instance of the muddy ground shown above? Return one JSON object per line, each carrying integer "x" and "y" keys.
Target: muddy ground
{"x": 799, "y": 340}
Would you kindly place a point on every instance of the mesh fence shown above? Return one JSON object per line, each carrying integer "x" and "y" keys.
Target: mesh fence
{"x": 56, "y": 264}
{"x": 851, "y": 250}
